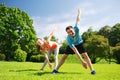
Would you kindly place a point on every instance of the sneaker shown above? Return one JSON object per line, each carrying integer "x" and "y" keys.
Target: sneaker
{"x": 93, "y": 72}
{"x": 54, "y": 71}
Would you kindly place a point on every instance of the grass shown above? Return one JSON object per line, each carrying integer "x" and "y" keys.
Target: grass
{"x": 69, "y": 71}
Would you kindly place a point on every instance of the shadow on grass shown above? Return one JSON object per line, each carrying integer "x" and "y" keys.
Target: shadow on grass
{"x": 40, "y": 73}
{"x": 23, "y": 70}
{"x": 60, "y": 73}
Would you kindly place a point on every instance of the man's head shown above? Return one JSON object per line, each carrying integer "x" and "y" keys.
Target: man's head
{"x": 70, "y": 31}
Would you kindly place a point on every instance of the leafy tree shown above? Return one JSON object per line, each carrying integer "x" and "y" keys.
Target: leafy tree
{"x": 63, "y": 47}
{"x": 53, "y": 38}
{"x": 114, "y": 37}
{"x": 97, "y": 46}
{"x": 16, "y": 32}
{"x": 116, "y": 53}
{"x": 88, "y": 34}
{"x": 112, "y": 33}
{"x": 105, "y": 31}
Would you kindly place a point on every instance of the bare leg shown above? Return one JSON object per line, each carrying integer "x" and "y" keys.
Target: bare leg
{"x": 84, "y": 64}
{"x": 47, "y": 59}
{"x": 56, "y": 51}
{"x": 61, "y": 61}
{"x": 45, "y": 62}
{"x": 88, "y": 61}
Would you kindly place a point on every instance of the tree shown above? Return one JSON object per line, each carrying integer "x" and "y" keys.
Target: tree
{"x": 63, "y": 47}
{"x": 53, "y": 38}
{"x": 88, "y": 34}
{"x": 16, "y": 31}
{"x": 97, "y": 47}
{"x": 114, "y": 37}
{"x": 105, "y": 31}
{"x": 116, "y": 53}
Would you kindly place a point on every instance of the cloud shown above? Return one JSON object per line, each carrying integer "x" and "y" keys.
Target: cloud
{"x": 91, "y": 16}
{"x": 43, "y": 27}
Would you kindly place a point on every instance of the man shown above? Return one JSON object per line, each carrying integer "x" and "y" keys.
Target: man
{"x": 75, "y": 45}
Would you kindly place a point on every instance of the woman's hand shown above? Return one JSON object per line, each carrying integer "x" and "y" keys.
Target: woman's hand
{"x": 50, "y": 65}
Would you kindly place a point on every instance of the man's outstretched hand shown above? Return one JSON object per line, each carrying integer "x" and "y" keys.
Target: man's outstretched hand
{"x": 84, "y": 64}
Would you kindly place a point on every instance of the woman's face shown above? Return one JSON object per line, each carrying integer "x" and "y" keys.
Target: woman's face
{"x": 40, "y": 42}
{"x": 71, "y": 32}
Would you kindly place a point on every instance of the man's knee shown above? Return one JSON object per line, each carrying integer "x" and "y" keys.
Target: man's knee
{"x": 85, "y": 55}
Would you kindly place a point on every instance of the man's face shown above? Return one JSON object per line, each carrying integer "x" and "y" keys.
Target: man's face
{"x": 71, "y": 32}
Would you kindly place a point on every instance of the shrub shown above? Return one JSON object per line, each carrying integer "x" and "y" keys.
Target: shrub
{"x": 2, "y": 57}
{"x": 37, "y": 58}
{"x": 20, "y": 55}
{"x": 40, "y": 58}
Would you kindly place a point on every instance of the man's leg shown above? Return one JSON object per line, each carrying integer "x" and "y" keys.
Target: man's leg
{"x": 84, "y": 64}
{"x": 56, "y": 52}
{"x": 85, "y": 55}
{"x": 62, "y": 60}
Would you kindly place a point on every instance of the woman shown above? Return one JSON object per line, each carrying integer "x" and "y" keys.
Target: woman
{"x": 48, "y": 45}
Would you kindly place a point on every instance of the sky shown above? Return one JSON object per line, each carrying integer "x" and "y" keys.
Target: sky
{"x": 47, "y": 14}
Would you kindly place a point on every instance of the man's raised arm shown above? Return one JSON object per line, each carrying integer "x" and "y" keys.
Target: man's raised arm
{"x": 78, "y": 17}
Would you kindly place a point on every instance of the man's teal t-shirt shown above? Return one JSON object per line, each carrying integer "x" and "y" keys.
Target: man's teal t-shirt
{"x": 76, "y": 40}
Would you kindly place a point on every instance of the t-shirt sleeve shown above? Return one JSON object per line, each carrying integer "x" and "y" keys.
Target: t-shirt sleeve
{"x": 71, "y": 45}
{"x": 76, "y": 27}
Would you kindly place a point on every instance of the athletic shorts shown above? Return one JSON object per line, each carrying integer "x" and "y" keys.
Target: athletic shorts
{"x": 81, "y": 49}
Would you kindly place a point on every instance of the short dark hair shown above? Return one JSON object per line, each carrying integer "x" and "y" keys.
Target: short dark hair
{"x": 68, "y": 27}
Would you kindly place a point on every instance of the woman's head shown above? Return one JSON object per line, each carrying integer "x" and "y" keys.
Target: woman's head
{"x": 39, "y": 43}
{"x": 70, "y": 31}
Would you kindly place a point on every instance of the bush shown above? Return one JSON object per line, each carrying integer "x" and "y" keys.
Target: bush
{"x": 2, "y": 57}
{"x": 40, "y": 58}
{"x": 20, "y": 55}
{"x": 37, "y": 58}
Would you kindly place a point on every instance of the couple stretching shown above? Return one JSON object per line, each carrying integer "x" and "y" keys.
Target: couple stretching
{"x": 75, "y": 46}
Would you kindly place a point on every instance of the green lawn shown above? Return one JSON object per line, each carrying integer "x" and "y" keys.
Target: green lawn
{"x": 69, "y": 71}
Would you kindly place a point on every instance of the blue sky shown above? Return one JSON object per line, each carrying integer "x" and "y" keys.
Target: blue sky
{"x": 60, "y": 13}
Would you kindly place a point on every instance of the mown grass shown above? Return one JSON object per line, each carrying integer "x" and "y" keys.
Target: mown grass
{"x": 69, "y": 71}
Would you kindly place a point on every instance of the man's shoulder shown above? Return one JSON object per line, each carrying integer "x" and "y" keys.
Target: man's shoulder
{"x": 68, "y": 37}
{"x": 76, "y": 27}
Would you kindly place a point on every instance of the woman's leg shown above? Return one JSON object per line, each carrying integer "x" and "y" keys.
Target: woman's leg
{"x": 56, "y": 52}
{"x": 45, "y": 62}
